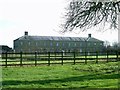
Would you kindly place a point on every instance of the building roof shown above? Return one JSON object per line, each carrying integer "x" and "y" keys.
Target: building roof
{"x": 56, "y": 38}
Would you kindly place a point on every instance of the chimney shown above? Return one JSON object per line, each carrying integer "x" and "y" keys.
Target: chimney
{"x": 26, "y": 33}
{"x": 89, "y": 35}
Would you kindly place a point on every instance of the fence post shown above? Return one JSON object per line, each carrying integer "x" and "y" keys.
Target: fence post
{"x": 55, "y": 55}
{"x": 35, "y": 58}
{"x": 74, "y": 57}
{"x": 85, "y": 57}
{"x": 62, "y": 58}
{"x": 96, "y": 57}
{"x": 12, "y": 55}
{"x": 49, "y": 58}
{"x": 107, "y": 56}
{"x": 6, "y": 59}
{"x": 117, "y": 59}
{"x": 20, "y": 58}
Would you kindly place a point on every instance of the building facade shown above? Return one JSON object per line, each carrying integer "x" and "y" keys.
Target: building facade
{"x": 29, "y": 43}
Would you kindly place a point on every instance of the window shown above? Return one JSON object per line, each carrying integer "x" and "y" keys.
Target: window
{"x": 101, "y": 43}
{"x": 57, "y": 44}
{"x": 44, "y": 44}
{"x": 63, "y": 44}
{"x": 29, "y": 43}
{"x": 69, "y": 44}
{"x": 80, "y": 44}
{"x": 94, "y": 43}
{"x": 88, "y": 44}
{"x": 75, "y": 44}
{"x": 36, "y": 43}
{"x": 51, "y": 43}
{"x": 29, "y": 50}
{"x": 80, "y": 50}
{"x": 21, "y": 43}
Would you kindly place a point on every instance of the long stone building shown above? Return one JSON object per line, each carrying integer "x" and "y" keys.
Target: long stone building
{"x": 28, "y": 43}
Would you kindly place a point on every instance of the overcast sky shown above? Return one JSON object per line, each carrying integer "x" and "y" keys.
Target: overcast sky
{"x": 41, "y": 18}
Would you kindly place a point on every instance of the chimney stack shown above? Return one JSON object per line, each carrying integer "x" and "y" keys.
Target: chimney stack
{"x": 26, "y": 33}
{"x": 89, "y": 35}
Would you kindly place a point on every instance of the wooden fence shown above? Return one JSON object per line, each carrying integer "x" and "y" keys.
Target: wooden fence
{"x": 38, "y": 58}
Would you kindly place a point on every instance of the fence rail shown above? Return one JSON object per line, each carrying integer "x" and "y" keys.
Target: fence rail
{"x": 38, "y": 58}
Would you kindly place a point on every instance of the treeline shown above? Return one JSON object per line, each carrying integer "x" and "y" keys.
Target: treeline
{"x": 111, "y": 48}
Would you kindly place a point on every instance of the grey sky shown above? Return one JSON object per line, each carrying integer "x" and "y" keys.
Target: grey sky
{"x": 38, "y": 17}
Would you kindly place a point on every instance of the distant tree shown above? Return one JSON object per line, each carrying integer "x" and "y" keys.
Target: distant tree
{"x": 85, "y": 14}
{"x": 106, "y": 44}
{"x": 115, "y": 46}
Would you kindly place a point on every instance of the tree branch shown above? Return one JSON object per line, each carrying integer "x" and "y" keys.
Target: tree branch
{"x": 86, "y": 15}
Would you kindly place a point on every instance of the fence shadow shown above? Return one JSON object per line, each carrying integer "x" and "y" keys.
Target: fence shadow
{"x": 70, "y": 79}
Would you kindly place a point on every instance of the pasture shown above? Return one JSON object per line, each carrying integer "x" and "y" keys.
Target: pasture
{"x": 91, "y": 75}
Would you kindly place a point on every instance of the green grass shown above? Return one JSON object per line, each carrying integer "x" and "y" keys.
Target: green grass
{"x": 62, "y": 76}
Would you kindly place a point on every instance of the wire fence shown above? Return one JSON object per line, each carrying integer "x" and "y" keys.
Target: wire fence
{"x": 41, "y": 58}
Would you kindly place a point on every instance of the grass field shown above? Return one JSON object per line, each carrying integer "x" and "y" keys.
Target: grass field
{"x": 104, "y": 75}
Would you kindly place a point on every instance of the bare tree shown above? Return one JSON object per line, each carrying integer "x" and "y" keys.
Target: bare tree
{"x": 115, "y": 45}
{"x": 106, "y": 44}
{"x": 86, "y": 14}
